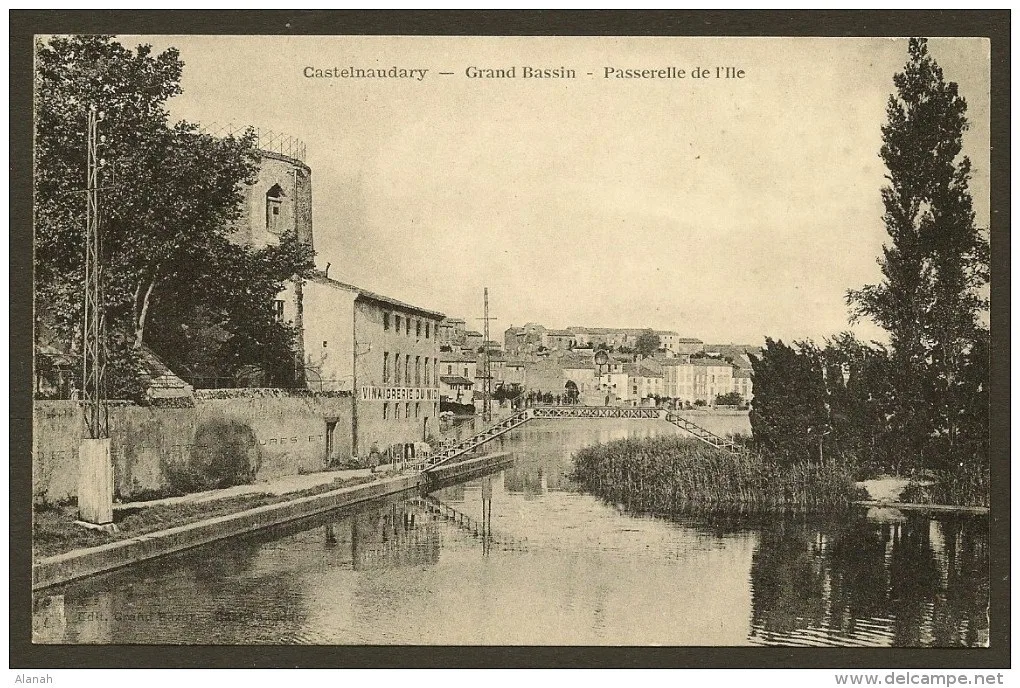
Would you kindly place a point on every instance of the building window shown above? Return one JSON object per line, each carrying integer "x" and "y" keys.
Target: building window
{"x": 407, "y": 369}
{"x": 427, "y": 378}
{"x": 465, "y": 371}
{"x": 325, "y": 344}
{"x": 407, "y": 410}
{"x": 386, "y": 367}
{"x": 449, "y": 370}
{"x": 427, "y": 326}
{"x": 274, "y": 200}
{"x": 385, "y": 410}
{"x": 417, "y": 409}
{"x": 396, "y": 369}
{"x": 408, "y": 326}
{"x": 278, "y": 310}
{"x": 417, "y": 329}
{"x": 386, "y": 321}
{"x": 417, "y": 371}
{"x": 436, "y": 376}
{"x": 396, "y": 323}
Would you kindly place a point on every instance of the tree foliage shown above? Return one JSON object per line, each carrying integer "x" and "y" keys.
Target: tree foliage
{"x": 647, "y": 343}
{"x": 169, "y": 195}
{"x": 935, "y": 266}
{"x": 922, "y": 404}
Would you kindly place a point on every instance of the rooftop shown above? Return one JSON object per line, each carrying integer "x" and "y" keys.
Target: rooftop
{"x": 321, "y": 278}
{"x": 455, "y": 380}
{"x": 457, "y": 358}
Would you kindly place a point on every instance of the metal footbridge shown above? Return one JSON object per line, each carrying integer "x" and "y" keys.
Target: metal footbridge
{"x": 519, "y": 418}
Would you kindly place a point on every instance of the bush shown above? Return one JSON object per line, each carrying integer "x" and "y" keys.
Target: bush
{"x": 226, "y": 453}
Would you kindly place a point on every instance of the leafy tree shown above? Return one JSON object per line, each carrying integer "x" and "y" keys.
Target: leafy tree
{"x": 571, "y": 393}
{"x": 788, "y": 414}
{"x": 169, "y": 196}
{"x": 507, "y": 391}
{"x": 936, "y": 264}
{"x": 647, "y": 343}
{"x": 729, "y": 399}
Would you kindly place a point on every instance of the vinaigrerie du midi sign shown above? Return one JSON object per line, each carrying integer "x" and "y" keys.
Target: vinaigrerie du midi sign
{"x": 369, "y": 393}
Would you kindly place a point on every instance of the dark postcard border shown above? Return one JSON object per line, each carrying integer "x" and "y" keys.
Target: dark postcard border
{"x": 23, "y": 24}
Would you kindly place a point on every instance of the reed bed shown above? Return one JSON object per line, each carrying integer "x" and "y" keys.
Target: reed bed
{"x": 673, "y": 475}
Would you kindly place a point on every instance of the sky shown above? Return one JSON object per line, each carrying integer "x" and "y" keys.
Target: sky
{"x": 723, "y": 209}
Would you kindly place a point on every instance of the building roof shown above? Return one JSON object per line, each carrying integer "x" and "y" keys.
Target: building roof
{"x": 454, "y": 321}
{"x": 472, "y": 333}
{"x": 559, "y": 333}
{"x": 577, "y": 365}
{"x": 638, "y": 370}
{"x": 741, "y": 372}
{"x": 458, "y": 358}
{"x": 672, "y": 361}
{"x": 711, "y": 363}
{"x": 367, "y": 295}
{"x": 455, "y": 380}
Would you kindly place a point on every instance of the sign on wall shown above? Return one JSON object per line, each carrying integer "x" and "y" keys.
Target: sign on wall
{"x": 370, "y": 393}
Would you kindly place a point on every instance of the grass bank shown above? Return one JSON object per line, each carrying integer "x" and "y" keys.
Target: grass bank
{"x": 673, "y": 475}
{"x": 54, "y": 530}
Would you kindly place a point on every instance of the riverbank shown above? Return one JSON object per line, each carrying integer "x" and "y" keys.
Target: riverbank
{"x": 674, "y": 475}
{"x": 54, "y": 530}
{"x": 65, "y": 551}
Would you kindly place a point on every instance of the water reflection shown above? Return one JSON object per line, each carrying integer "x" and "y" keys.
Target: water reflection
{"x": 522, "y": 557}
{"x": 917, "y": 583}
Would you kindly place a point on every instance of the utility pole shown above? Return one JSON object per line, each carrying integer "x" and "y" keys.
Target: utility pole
{"x": 95, "y": 478}
{"x": 486, "y": 365}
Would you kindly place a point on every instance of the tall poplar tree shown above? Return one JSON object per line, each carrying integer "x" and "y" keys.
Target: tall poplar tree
{"x": 936, "y": 262}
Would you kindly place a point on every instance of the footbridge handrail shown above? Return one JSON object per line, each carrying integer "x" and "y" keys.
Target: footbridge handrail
{"x": 566, "y": 411}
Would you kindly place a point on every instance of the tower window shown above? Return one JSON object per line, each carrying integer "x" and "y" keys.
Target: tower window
{"x": 274, "y": 201}
{"x": 278, "y": 310}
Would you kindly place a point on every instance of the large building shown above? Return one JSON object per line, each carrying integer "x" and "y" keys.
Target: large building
{"x": 383, "y": 351}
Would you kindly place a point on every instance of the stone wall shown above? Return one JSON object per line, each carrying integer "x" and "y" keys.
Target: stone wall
{"x": 271, "y": 432}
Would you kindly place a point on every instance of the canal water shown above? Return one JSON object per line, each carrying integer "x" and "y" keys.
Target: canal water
{"x": 522, "y": 557}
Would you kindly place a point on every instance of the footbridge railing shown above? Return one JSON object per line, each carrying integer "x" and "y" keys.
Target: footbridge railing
{"x": 521, "y": 417}
{"x": 469, "y": 444}
{"x": 702, "y": 434}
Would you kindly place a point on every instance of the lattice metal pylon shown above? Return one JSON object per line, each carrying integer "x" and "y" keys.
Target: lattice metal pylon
{"x": 97, "y": 422}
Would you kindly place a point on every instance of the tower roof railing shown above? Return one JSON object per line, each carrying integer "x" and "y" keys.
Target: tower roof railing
{"x": 265, "y": 139}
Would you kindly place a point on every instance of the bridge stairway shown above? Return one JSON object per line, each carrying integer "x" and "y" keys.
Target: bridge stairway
{"x": 702, "y": 434}
{"x": 469, "y": 444}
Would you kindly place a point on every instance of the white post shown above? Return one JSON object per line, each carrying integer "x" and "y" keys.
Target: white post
{"x": 95, "y": 482}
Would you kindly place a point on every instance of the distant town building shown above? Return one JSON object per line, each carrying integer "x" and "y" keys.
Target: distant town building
{"x": 473, "y": 340}
{"x": 456, "y": 388}
{"x": 559, "y": 339}
{"x": 642, "y": 383}
{"x": 452, "y": 332}
{"x": 742, "y": 384}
